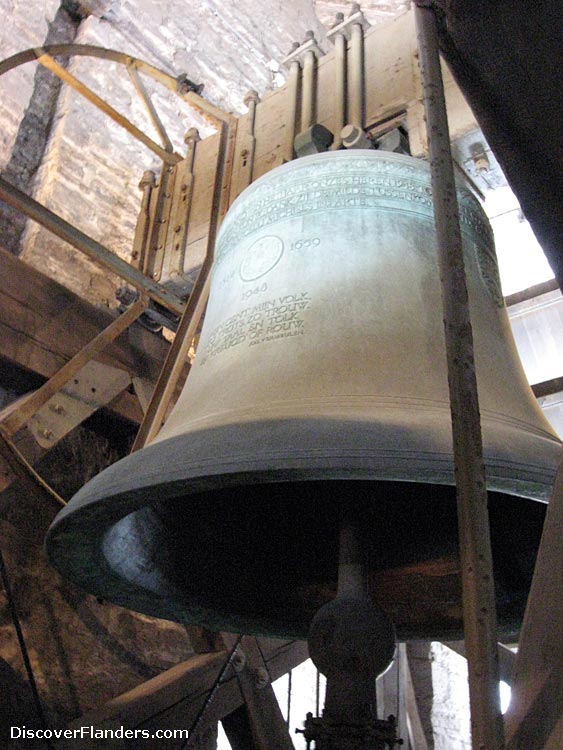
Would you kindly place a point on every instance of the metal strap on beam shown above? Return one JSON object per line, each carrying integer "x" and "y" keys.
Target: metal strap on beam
{"x": 479, "y": 611}
{"x": 94, "y": 250}
{"x": 39, "y": 398}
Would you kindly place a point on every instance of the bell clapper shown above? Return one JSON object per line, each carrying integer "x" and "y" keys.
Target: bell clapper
{"x": 351, "y": 641}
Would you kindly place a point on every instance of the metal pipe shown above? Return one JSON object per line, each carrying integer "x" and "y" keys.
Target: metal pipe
{"x": 479, "y": 613}
{"x": 352, "y": 577}
{"x": 293, "y": 95}
{"x": 309, "y": 91}
{"x": 340, "y": 49}
{"x": 356, "y": 80}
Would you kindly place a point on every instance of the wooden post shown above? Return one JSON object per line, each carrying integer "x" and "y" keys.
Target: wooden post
{"x": 534, "y": 720}
{"x": 479, "y": 612}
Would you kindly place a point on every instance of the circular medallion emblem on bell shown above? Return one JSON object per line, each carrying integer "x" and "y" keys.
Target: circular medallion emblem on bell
{"x": 260, "y": 258}
{"x": 320, "y": 379}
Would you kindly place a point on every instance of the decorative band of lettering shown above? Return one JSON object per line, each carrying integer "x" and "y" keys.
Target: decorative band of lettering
{"x": 337, "y": 185}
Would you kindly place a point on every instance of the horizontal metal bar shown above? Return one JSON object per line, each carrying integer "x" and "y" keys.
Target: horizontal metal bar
{"x": 48, "y": 62}
{"x": 94, "y": 250}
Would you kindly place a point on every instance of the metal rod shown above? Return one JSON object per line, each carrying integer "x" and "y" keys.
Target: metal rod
{"x": 309, "y": 92}
{"x": 352, "y": 576}
{"x": 479, "y": 613}
{"x": 94, "y": 250}
{"x": 356, "y": 79}
{"x": 22, "y": 645}
{"x": 340, "y": 48}
{"x": 21, "y": 467}
{"x": 293, "y": 96}
{"x": 149, "y": 106}
{"x": 192, "y": 739}
{"x": 39, "y": 398}
{"x": 48, "y": 62}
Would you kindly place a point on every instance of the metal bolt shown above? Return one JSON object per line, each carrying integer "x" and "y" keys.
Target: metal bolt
{"x": 239, "y": 661}
{"x": 178, "y": 228}
{"x": 262, "y": 678}
{"x": 57, "y": 408}
{"x": 47, "y": 434}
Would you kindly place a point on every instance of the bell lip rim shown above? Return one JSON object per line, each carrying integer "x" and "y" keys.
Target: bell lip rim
{"x": 262, "y": 470}
{"x": 132, "y": 595}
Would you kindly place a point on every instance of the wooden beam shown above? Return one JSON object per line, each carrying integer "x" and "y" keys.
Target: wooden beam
{"x": 43, "y": 324}
{"x": 535, "y": 714}
{"x": 90, "y": 247}
{"x": 269, "y": 730}
{"x": 39, "y": 398}
{"x": 478, "y": 596}
{"x": 548, "y": 387}
{"x": 174, "y": 698}
{"x": 531, "y": 292}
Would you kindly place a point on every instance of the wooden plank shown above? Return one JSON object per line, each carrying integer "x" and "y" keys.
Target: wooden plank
{"x": 176, "y": 360}
{"x": 43, "y": 325}
{"x": 205, "y": 167}
{"x": 535, "y": 715}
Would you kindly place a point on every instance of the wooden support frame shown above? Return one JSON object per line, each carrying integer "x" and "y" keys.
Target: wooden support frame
{"x": 534, "y": 720}
{"x": 17, "y": 419}
{"x": 197, "y": 302}
{"x": 175, "y": 697}
{"x": 94, "y": 250}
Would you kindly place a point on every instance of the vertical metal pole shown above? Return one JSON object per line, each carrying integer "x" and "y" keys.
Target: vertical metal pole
{"x": 340, "y": 63}
{"x": 479, "y": 612}
{"x": 309, "y": 92}
{"x": 293, "y": 94}
{"x": 356, "y": 89}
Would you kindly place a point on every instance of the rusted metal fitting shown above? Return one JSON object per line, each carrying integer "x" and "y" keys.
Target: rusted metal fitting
{"x": 262, "y": 678}
{"x": 344, "y": 25}
{"x": 147, "y": 180}
{"x": 299, "y": 51}
{"x": 184, "y": 85}
{"x": 251, "y": 97}
{"x": 239, "y": 661}
{"x": 192, "y": 136}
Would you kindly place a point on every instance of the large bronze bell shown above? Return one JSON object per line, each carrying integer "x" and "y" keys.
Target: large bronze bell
{"x": 320, "y": 381}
